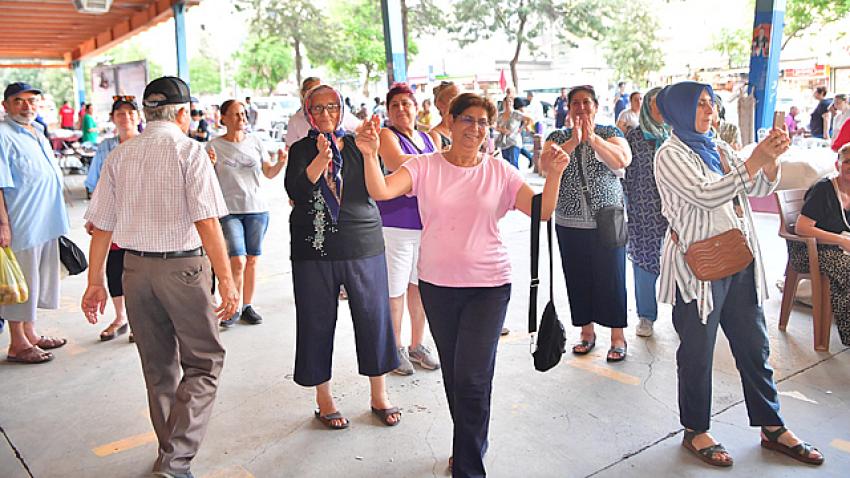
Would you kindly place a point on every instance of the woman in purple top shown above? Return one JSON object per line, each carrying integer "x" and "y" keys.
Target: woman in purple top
{"x": 403, "y": 229}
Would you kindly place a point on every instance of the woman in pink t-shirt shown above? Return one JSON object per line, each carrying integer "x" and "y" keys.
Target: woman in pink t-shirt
{"x": 464, "y": 268}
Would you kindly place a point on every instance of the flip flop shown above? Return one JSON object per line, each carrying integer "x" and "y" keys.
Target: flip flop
{"x": 620, "y": 351}
{"x": 586, "y": 346}
{"x": 48, "y": 343}
{"x": 327, "y": 420}
{"x": 386, "y": 413}
{"x": 113, "y": 331}
{"x": 706, "y": 454}
{"x": 31, "y": 355}
{"x": 800, "y": 452}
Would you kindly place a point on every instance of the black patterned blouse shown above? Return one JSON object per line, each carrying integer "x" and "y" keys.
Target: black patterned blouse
{"x": 643, "y": 204}
{"x": 572, "y": 209}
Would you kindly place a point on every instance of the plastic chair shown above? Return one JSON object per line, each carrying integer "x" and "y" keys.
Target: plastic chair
{"x": 790, "y": 203}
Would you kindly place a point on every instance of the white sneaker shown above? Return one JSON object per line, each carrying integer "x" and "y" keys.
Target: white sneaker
{"x": 426, "y": 359}
{"x": 404, "y": 365}
{"x": 644, "y": 328}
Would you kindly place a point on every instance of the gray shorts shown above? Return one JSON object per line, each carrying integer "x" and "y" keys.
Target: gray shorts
{"x": 40, "y": 265}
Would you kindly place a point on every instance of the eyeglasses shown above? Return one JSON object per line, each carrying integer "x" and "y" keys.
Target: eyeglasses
{"x": 319, "y": 109}
{"x": 468, "y": 121}
{"x": 33, "y": 100}
{"x": 124, "y": 98}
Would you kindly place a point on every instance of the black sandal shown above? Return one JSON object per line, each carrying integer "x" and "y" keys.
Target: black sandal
{"x": 801, "y": 451}
{"x": 585, "y": 346}
{"x": 706, "y": 454}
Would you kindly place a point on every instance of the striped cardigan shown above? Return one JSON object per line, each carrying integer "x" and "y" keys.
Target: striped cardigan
{"x": 698, "y": 204}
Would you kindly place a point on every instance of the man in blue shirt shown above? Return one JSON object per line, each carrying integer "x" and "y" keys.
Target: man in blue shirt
{"x": 32, "y": 217}
{"x": 621, "y": 102}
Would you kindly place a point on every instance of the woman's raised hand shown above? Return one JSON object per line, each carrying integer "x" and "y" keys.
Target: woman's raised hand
{"x": 578, "y": 131}
{"x": 282, "y": 156}
{"x": 773, "y": 146}
{"x": 367, "y": 136}
{"x": 211, "y": 153}
{"x": 554, "y": 159}
{"x": 325, "y": 155}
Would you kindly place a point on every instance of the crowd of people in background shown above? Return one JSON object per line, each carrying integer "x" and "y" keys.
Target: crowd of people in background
{"x": 369, "y": 192}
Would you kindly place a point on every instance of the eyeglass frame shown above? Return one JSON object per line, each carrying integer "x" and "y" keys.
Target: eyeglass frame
{"x": 470, "y": 121}
{"x": 331, "y": 108}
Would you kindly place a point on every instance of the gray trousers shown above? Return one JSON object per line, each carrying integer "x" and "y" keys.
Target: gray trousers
{"x": 170, "y": 310}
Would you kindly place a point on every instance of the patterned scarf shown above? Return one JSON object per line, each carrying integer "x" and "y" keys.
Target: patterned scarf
{"x": 331, "y": 183}
{"x": 652, "y": 130}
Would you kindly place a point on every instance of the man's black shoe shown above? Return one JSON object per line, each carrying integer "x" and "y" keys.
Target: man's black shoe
{"x": 250, "y": 316}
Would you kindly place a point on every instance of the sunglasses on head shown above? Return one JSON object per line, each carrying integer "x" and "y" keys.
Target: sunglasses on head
{"x": 123, "y": 98}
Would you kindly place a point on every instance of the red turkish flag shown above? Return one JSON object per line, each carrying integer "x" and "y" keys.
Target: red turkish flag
{"x": 503, "y": 83}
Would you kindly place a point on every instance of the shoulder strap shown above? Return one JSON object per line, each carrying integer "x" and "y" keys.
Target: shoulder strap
{"x": 536, "y": 206}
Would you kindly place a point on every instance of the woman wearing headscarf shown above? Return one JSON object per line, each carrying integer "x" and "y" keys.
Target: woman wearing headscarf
{"x": 335, "y": 229}
{"x": 704, "y": 188}
{"x": 595, "y": 273}
{"x": 464, "y": 269}
{"x": 403, "y": 230}
{"x": 240, "y": 160}
{"x": 646, "y": 223}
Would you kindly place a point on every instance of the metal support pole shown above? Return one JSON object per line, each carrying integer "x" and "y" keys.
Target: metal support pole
{"x": 764, "y": 60}
{"x": 180, "y": 40}
{"x": 79, "y": 83}
{"x": 394, "y": 41}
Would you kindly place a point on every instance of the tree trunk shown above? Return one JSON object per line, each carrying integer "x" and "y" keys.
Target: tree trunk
{"x": 296, "y": 43}
{"x": 366, "y": 81}
{"x": 515, "y": 59}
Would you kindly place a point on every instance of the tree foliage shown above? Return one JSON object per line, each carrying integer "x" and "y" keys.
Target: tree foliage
{"x": 802, "y": 15}
{"x": 631, "y": 47}
{"x": 522, "y": 22}
{"x": 263, "y": 63}
{"x": 55, "y": 82}
{"x": 734, "y": 45}
{"x": 357, "y": 46}
{"x": 204, "y": 75}
{"x": 298, "y": 23}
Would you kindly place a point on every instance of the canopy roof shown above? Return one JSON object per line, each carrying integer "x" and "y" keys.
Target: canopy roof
{"x": 54, "y": 31}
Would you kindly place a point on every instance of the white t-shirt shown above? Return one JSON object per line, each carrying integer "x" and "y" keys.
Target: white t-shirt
{"x": 630, "y": 118}
{"x": 238, "y": 167}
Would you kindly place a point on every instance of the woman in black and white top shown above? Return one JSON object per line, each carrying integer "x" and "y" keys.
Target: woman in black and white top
{"x": 826, "y": 217}
{"x": 704, "y": 188}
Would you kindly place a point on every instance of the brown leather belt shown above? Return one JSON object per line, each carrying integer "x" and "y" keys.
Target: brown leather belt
{"x": 199, "y": 251}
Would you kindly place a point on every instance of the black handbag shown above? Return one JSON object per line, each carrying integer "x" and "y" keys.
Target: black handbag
{"x": 610, "y": 220}
{"x": 71, "y": 256}
{"x": 551, "y": 339}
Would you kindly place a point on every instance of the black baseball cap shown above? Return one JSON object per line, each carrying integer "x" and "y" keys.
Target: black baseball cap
{"x": 17, "y": 88}
{"x": 175, "y": 91}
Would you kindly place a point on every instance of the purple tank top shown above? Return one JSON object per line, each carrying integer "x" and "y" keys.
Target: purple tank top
{"x": 403, "y": 212}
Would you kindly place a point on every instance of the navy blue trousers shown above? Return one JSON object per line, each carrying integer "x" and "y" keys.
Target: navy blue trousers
{"x": 316, "y": 285}
{"x": 737, "y": 311}
{"x": 466, "y": 323}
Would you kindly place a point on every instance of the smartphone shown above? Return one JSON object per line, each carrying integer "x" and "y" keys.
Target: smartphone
{"x": 779, "y": 120}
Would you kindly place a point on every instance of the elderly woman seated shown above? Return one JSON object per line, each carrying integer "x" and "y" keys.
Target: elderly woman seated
{"x": 826, "y": 217}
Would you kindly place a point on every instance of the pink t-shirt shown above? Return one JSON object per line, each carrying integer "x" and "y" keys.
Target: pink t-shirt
{"x": 460, "y": 210}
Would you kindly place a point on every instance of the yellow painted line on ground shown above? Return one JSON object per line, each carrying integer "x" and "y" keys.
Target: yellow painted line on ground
{"x": 230, "y": 472}
{"x": 840, "y": 444}
{"x": 124, "y": 444}
{"x": 605, "y": 372}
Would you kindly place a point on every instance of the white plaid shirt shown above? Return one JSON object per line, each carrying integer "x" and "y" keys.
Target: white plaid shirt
{"x": 152, "y": 190}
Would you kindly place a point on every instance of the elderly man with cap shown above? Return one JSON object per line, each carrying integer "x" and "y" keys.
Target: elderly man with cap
{"x": 158, "y": 198}
{"x": 32, "y": 217}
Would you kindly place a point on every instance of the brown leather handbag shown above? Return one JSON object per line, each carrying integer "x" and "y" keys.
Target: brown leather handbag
{"x": 718, "y": 256}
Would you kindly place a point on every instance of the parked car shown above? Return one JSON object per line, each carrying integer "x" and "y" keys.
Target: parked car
{"x": 274, "y": 113}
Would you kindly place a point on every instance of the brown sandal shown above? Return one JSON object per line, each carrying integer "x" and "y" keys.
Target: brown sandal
{"x": 328, "y": 420}
{"x": 801, "y": 451}
{"x": 386, "y": 413}
{"x": 708, "y": 453}
{"x": 31, "y": 355}
{"x": 48, "y": 343}
{"x": 113, "y": 330}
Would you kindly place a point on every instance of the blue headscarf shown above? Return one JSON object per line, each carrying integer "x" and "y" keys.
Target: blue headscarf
{"x": 330, "y": 185}
{"x": 678, "y": 106}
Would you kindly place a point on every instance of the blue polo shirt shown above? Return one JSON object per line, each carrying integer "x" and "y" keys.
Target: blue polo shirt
{"x": 32, "y": 186}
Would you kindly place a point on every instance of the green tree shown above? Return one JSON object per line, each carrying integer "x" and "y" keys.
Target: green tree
{"x": 734, "y": 44}
{"x": 631, "y": 48}
{"x": 802, "y": 15}
{"x": 205, "y": 75}
{"x": 358, "y": 44}
{"x": 523, "y": 21}
{"x": 263, "y": 63}
{"x": 299, "y": 23}
{"x": 56, "y": 82}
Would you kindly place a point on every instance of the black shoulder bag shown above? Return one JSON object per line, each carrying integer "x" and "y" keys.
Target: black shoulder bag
{"x": 552, "y": 339}
{"x": 610, "y": 220}
{"x": 71, "y": 256}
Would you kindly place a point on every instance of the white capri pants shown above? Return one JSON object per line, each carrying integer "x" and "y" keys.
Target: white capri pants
{"x": 402, "y": 251}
